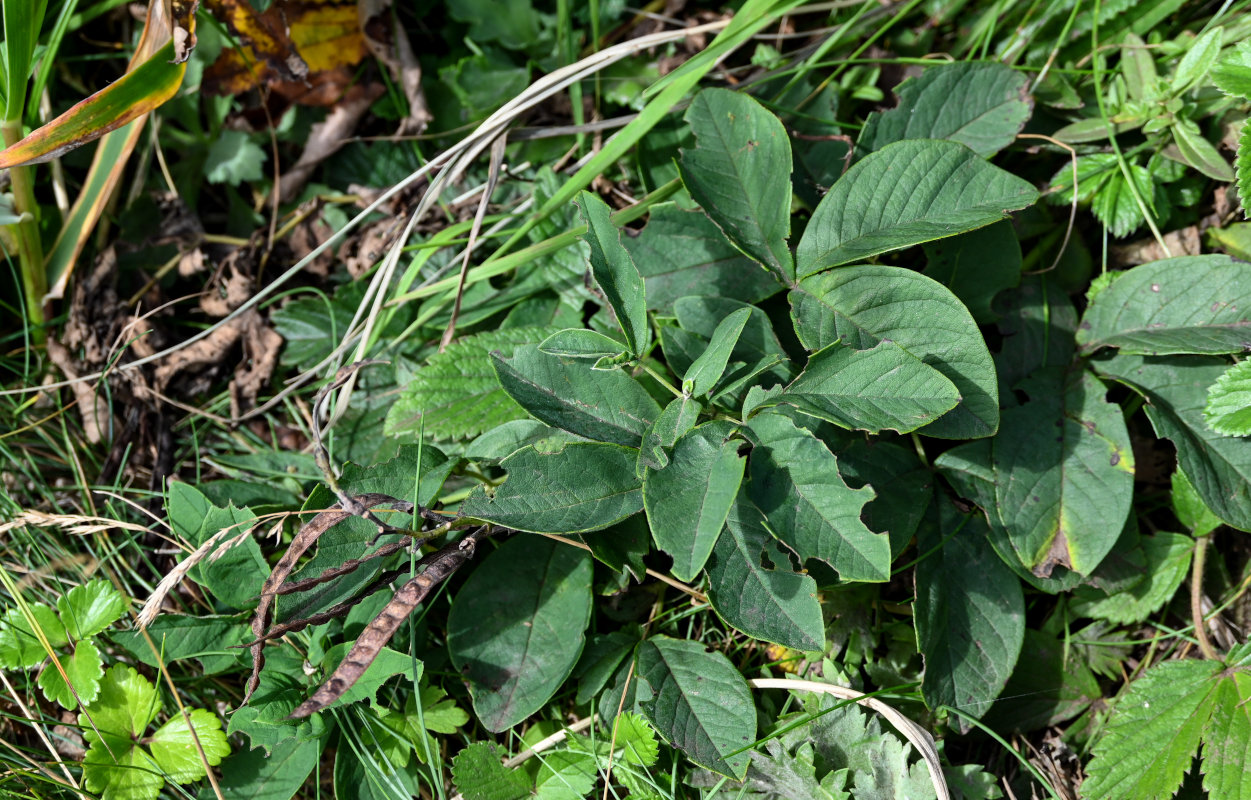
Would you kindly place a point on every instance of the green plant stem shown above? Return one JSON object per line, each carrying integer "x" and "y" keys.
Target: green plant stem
{"x": 1196, "y": 598}
{"x": 29, "y": 247}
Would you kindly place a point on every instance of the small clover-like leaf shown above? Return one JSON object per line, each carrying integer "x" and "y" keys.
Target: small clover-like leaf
{"x": 83, "y": 668}
{"x": 20, "y": 648}
{"x": 176, "y": 749}
{"x": 88, "y": 609}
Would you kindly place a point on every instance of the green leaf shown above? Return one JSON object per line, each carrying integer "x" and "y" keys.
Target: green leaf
{"x": 1242, "y": 165}
{"x": 687, "y": 502}
{"x": 1064, "y": 473}
{"x": 863, "y": 305}
{"x": 565, "y": 775}
{"x": 751, "y": 584}
{"x": 1175, "y": 389}
{"x": 234, "y": 158}
{"x": 701, "y": 706}
{"x": 907, "y": 193}
{"x": 673, "y": 423}
{"x": 457, "y": 392}
{"x": 127, "y": 773}
{"x": 19, "y": 647}
{"x": 235, "y": 578}
{"x": 1161, "y": 309}
{"x": 1189, "y": 507}
{"x": 636, "y": 740}
{"x": 1049, "y": 685}
{"x": 510, "y": 437}
{"x": 976, "y": 266}
{"x": 387, "y": 663}
{"x": 1138, "y": 67}
{"x": 179, "y": 636}
{"x": 1232, "y": 73}
{"x": 1199, "y": 153}
{"x": 1228, "y": 410}
{"x": 1152, "y": 736}
{"x": 981, "y": 104}
{"x": 883, "y": 387}
{"x": 796, "y": 483}
{"x": 602, "y": 656}
{"x": 479, "y": 775}
{"x": 739, "y": 173}
{"x": 176, "y": 749}
{"x": 582, "y": 487}
{"x": 1200, "y": 56}
{"x": 970, "y": 613}
{"x": 681, "y": 253}
{"x": 580, "y": 343}
{"x": 90, "y": 608}
{"x": 615, "y": 273}
{"x": 1227, "y": 740}
{"x": 516, "y": 626}
{"x": 1037, "y": 329}
{"x": 604, "y": 405}
{"x": 126, "y": 705}
{"x": 276, "y": 776}
{"x": 83, "y": 668}
{"x": 903, "y": 485}
{"x": 707, "y": 369}
{"x": 1167, "y": 562}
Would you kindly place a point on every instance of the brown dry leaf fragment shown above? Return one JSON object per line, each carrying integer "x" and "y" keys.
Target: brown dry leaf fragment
{"x": 438, "y": 567}
{"x": 261, "y": 345}
{"x": 224, "y": 296}
{"x": 1057, "y": 554}
{"x": 292, "y": 46}
{"x": 183, "y": 13}
{"x": 328, "y": 136}
{"x": 1182, "y": 242}
{"x": 389, "y": 44}
{"x": 209, "y": 350}
{"x": 304, "y": 539}
{"x": 94, "y": 409}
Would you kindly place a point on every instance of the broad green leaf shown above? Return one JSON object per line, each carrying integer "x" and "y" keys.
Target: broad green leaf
{"x": 1167, "y": 563}
{"x": 739, "y": 173}
{"x": 687, "y": 502}
{"x": 1242, "y": 166}
{"x": 1232, "y": 73}
{"x": 1049, "y": 685}
{"x": 510, "y": 437}
{"x": 796, "y": 483}
{"x": 1138, "y": 67}
{"x": 1037, "y": 328}
{"x": 1199, "y": 153}
{"x": 1175, "y": 389}
{"x": 1064, "y": 473}
{"x": 752, "y": 587}
{"x": 234, "y": 158}
{"x": 1227, "y": 740}
{"x": 1161, "y": 309}
{"x": 580, "y": 343}
{"x": 1199, "y": 58}
{"x": 702, "y": 315}
{"x": 602, "y": 656}
{"x": 981, "y": 104}
{"x": 976, "y": 266}
{"x": 706, "y": 371}
{"x": 179, "y": 636}
{"x": 674, "y": 422}
{"x": 615, "y": 273}
{"x": 970, "y": 613}
{"x": 1189, "y": 507}
{"x": 1228, "y": 409}
{"x": 882, "y": 387}
{"x": 19, "y": 646}
{"x": 623, "y": 546}
{"x": 701, "y": 705}
{"x": 90, "y": 608}
{"x": 902, "y": 482}
{"x": 235, "y": 578}
{"x": 604, "y": 405}
{"x": 681, "y": 253}
{"x": 126, "y": 705}
{"x": 387, "y": 663}
{"x": 583, "y": 487}
{"x": 83, "y": 668}
{"x": 457, "y": 392}
{"x": 516, "y": 626}
{"x": 907, "y": 193}
{"x": 479, "y": 775}
{"x": 1155, "y": 731}
{"x": 863, "y": 305}
{"x": 276, "y": 776}
{"x": 126, "y": 773}
{"x": 565, "y": 775}
{"x": 177, "y": 750}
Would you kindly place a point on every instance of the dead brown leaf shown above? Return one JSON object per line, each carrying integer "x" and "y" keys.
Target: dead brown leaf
{"x": 328, "y": 136}
{"x": 1182, "y": 242}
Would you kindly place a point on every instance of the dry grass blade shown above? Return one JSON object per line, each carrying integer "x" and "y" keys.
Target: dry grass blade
{"x": 914, "y": 733}
{"x": 304, "y": 539}
{"x": 439, "y": 566}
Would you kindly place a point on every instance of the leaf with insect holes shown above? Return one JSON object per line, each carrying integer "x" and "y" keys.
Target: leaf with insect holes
{"x": 1228, "y": 410}
{"x": 616, "y": 274}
